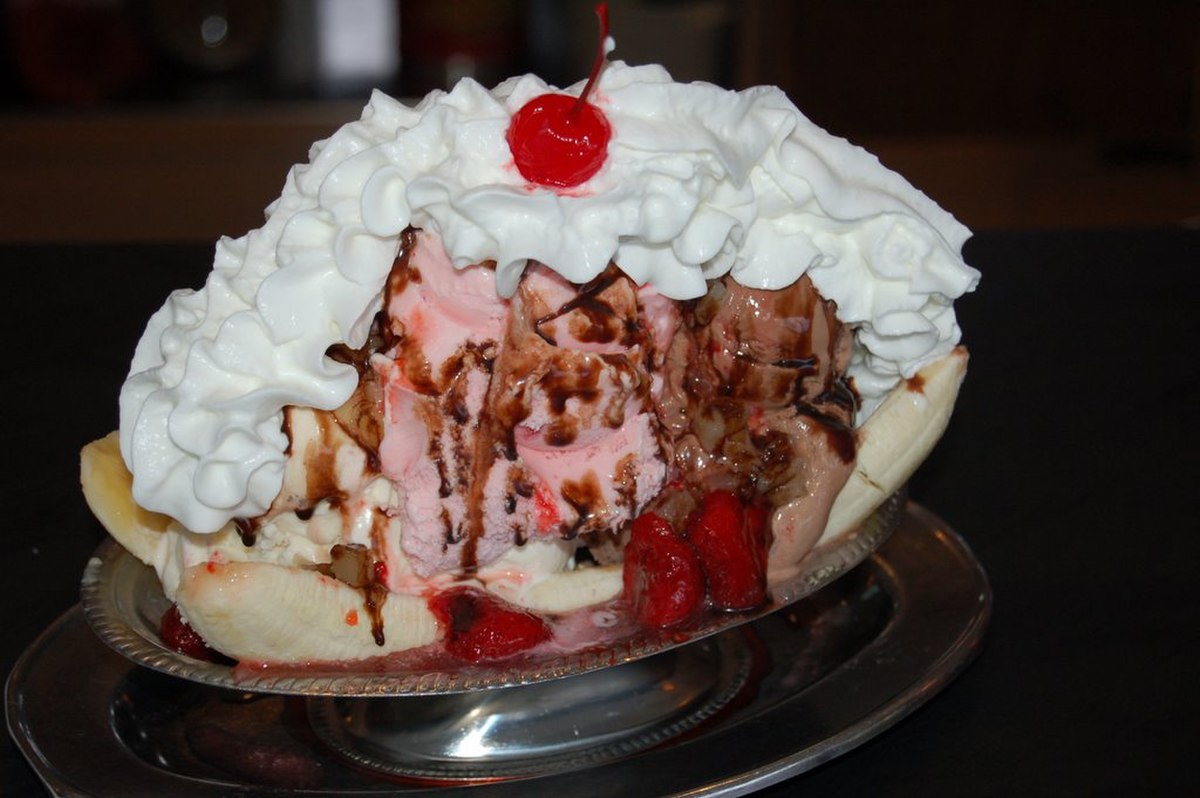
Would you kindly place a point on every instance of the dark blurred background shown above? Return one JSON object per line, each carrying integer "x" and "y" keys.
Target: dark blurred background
{"x": 176, "y": 120}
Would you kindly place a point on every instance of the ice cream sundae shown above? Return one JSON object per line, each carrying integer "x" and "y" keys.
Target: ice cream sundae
{"x": 460, "y": 384}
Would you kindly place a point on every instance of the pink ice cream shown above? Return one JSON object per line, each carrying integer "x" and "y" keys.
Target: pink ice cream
{"x": 511, "y": 420}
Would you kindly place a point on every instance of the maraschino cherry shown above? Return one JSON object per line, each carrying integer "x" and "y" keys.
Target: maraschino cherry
{"x": 558, "y": 140}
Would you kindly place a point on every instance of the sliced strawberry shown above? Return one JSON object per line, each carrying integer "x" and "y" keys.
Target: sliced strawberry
{"x": 731, "y": 543}
{"x": 648, "y": 526}
{"x": 181, "y": 637}
{"x": 481, "y": 627}
{"x": 664, "y": 583}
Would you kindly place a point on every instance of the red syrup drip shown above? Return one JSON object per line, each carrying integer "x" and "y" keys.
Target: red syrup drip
{"x": 560, "y": 141}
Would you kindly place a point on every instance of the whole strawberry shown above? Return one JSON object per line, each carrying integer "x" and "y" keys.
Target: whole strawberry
{"x": 664, "y": 583}
{"x": 482, "y": 627}
{"x": 731, "y": 542}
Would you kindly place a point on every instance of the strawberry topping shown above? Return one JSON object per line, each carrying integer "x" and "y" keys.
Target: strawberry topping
{"x": 181, "y": 637}
{"x": 721, "y": 556}
{"x": 732, "y": 543}
{"x": 481, "y": 627}
{"x": 664, "y": 583}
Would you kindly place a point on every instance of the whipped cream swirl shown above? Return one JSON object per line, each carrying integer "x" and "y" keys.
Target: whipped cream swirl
{"x": 699, "y": 182}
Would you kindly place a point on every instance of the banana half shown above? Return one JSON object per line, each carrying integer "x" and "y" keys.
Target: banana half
{"x": 262, "y": 612}
{"x": 271, "y": 612}
{"x": 896, "y": 439}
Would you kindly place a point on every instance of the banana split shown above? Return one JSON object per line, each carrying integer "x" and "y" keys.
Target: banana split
{"x": 457, "y": 382}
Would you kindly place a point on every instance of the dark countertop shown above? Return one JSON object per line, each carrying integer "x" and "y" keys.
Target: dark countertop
{"x": 1069, "y": 468}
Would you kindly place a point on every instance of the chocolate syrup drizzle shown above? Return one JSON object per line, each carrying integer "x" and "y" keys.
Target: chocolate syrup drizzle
{"x": 603, "y": 325}
{"x": 357, "y": 566}
{"x": 748, "y": 361}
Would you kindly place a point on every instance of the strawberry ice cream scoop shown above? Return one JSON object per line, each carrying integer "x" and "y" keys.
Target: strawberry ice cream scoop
{"x": 576, "y": 379}
{"x": 511, "y": 420}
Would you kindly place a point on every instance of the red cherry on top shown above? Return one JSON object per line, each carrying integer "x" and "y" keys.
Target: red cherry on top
{"x": 558, "y": 140}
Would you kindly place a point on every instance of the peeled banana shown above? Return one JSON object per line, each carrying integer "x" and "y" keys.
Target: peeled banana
{"x": 260, "y": 612}
{"x": 108, "y": 491}
{"x": 896, "y": 439}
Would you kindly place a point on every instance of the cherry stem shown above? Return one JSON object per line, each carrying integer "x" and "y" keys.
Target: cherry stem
{"x": 602, "y": 13}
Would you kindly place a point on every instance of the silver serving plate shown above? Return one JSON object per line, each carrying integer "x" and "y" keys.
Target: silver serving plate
{"x": 123, "y": 602}
{"x": 744, "y": 708}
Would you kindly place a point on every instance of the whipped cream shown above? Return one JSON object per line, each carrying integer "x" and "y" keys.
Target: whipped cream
{"x": 698, "y": 182}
